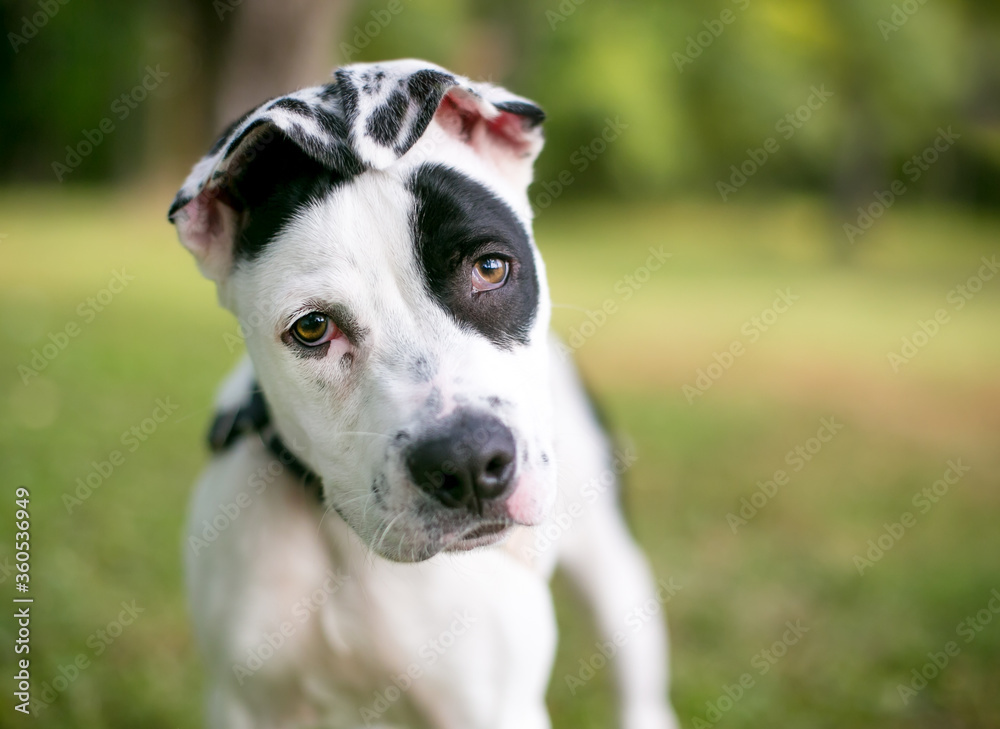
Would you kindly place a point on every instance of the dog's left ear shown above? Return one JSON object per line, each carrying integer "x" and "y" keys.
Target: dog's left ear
{"x": 389, "y": 107}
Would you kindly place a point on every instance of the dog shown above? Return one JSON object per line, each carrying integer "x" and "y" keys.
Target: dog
{"x": 406, "y": 454}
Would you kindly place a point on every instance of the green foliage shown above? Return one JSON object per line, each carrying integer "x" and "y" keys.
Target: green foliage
{"x": 697, "y": 83}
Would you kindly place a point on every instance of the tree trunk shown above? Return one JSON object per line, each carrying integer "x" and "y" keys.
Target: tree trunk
{"x": 276, "y": 46}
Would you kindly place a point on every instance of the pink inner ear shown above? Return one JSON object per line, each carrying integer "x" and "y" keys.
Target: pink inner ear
{"x": 510, "y": 127}
{"x": 462, "y": 114}
{"x": 206, "y": 227}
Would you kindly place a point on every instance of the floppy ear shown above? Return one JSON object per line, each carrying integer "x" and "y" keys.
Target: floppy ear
{"x": 368, "y": 118}
{"x": 389, "y": 106}
{"x": 302, "y": 133}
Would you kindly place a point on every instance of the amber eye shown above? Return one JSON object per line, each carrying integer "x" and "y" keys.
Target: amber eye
{"x": 314, "y": 329}
{"x": 489, "y": 272}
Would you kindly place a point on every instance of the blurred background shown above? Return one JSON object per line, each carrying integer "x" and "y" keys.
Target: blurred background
{"x": 808, "y": 371}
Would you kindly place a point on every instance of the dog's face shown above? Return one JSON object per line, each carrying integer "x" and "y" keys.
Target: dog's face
{"x": 373, "y": 237}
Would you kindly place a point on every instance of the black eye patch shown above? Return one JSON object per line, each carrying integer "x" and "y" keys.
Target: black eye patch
{"x": 456, "y": 221}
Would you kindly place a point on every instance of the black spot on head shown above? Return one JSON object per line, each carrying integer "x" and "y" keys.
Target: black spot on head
{"x": 421, "y": 370}
{"x": 386, "y": 121}
{"x": 348, "y": 95}
{"x": 457, "y": 221}
{"x": 428, "y": 83}
{"x": 426, "y": 88}
{"x": 269, "y": 189}
{"x": 372, "y": 82}
{"x": 330, "y": 92}
{"x": 296, "y": 105}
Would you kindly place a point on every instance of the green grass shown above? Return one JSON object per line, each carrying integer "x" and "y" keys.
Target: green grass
{"x": 163, "y": 336}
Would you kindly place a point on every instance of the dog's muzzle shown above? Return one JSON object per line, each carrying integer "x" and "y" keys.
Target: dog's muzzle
{"x": 468, "y": 462}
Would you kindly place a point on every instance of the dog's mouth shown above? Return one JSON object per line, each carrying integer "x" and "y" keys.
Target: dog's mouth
{"x": 480, "y": 536}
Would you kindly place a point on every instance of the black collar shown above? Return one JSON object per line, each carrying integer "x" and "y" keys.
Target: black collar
{"x": 253, "y": 417}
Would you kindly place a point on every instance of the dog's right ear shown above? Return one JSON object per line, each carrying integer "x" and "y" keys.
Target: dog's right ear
{"x": 292, "y": 137}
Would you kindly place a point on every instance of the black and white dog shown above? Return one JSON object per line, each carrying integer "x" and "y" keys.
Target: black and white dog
{"x": 373, "y": 236}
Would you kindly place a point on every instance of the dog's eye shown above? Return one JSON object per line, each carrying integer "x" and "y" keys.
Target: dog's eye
{"x": 489, "y": 272}
{"x": 314, "y": 329}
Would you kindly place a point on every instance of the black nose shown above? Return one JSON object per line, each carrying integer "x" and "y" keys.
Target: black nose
{"x": 467, "y": 462}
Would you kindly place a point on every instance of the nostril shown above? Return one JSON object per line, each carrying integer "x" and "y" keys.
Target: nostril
{"x": 451, "y": 489}
{"x": 497, "y": 465}
{"x": 495, "y": 475}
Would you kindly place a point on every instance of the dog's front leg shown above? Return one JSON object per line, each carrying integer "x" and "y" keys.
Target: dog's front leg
{"x": 601, "y": 558}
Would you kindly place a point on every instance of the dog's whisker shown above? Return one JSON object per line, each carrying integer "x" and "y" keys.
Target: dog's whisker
{"x": 363, "y": 432}
{"x": 342, "y": 505}
{"x": 385, "y": 532}
{"x": 327, "y": 510}
{"x": 364, "y": 510}
{"x": 356, "y": 498}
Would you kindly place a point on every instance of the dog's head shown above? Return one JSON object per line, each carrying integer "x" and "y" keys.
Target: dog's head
{"x": 373, "y": 236}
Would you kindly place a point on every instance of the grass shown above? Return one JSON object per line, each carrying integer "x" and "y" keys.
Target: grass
{"x": 163, "y": 336}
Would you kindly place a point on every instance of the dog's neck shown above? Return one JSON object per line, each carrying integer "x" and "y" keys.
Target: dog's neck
{"x": 252, "y": 417}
